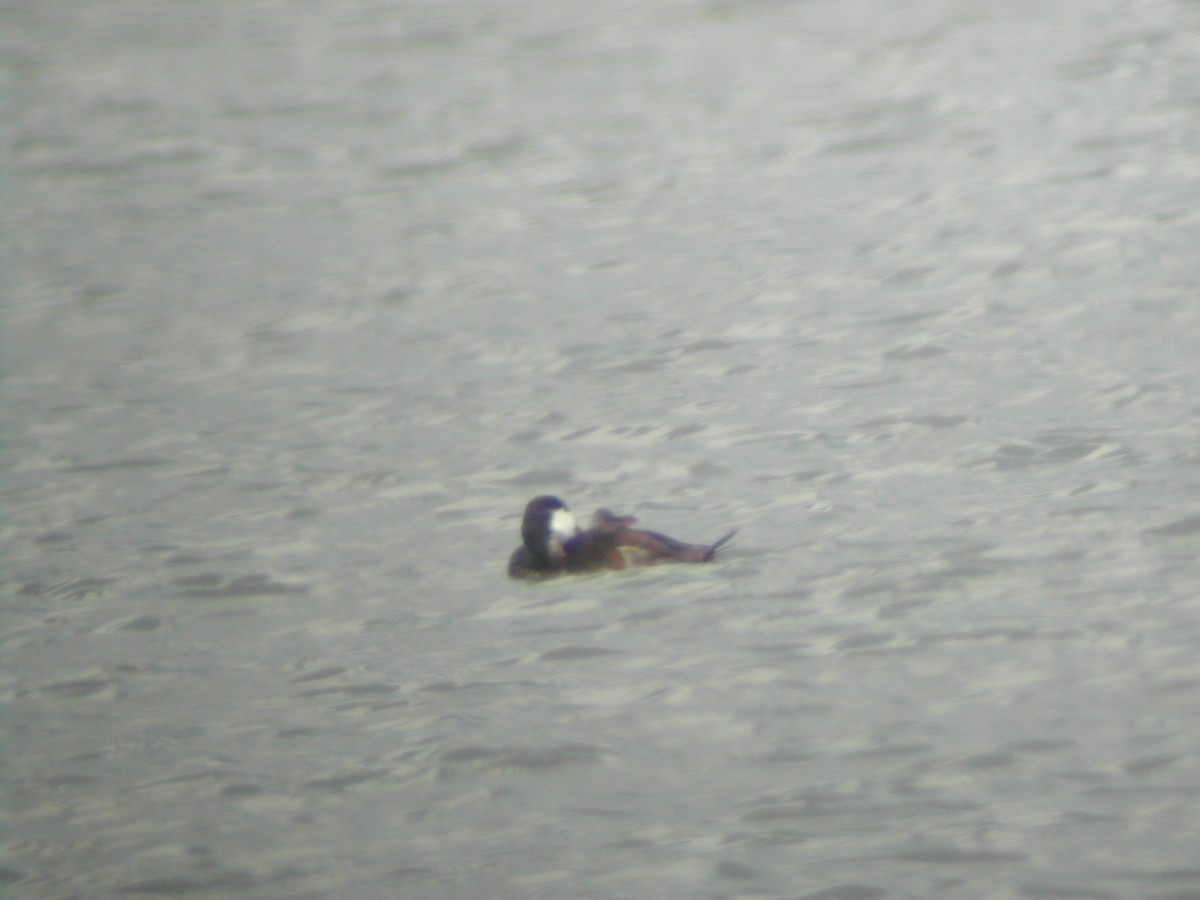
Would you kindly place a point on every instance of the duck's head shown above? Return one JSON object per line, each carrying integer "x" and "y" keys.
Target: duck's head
{"x": 547, "y": 527}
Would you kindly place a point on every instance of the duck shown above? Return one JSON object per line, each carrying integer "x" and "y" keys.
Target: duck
{"x": 553, "y": 544}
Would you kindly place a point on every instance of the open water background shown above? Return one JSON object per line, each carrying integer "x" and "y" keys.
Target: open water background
{"x": 308, "y": 299}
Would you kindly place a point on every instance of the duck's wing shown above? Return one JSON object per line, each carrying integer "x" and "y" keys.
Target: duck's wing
{"x": 654, "y": 546}
{"x": 612, "y": 544}
{"x": 595, "y": 549}
{"x": 645, "y": 548}
{"x": 608, "y": 520}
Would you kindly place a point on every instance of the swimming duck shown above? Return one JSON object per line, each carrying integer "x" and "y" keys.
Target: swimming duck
{"x": 552, "y": 543}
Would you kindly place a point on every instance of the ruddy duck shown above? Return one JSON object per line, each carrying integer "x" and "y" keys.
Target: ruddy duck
{"x": 553, "y": 543}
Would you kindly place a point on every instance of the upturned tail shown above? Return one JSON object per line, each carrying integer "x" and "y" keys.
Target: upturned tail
{"x": 713, "y": 548}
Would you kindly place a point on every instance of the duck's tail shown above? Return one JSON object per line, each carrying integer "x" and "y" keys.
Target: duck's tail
{"x": 713, "y": 548}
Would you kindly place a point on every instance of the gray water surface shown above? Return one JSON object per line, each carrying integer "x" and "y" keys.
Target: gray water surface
{"x": 309, "y": 299}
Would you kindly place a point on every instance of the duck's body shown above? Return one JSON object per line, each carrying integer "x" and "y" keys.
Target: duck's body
{"x": 553, "y": 544}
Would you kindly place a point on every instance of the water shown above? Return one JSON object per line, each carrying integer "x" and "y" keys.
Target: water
{"x": 309, "y": 300}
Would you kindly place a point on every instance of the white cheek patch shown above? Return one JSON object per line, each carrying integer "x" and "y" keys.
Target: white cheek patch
{"x": 562, "y": 525}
